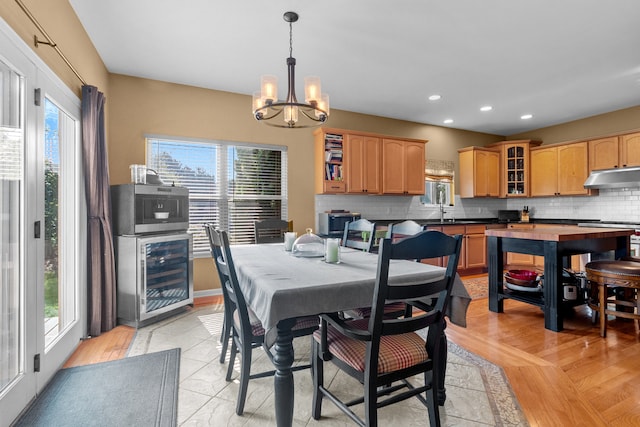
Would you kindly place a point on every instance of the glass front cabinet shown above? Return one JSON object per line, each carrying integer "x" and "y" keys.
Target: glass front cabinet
{"x": 515, "y": 169}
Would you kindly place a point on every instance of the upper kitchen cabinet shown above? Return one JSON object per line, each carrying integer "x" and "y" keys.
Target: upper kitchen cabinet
{"x": 615, "y": 152}
{"x": 604, "y": 153}
{"x": 630, "y": 150}
{"x": 403, "y": 166}
{"x": 362, "y": 164}
{"x": 329, "y": 159}
{"x": 355, "y": 162}
{"x": 515, "y": 169}
{"x": 479, "y": 172}
{"x": 559, "y": 170}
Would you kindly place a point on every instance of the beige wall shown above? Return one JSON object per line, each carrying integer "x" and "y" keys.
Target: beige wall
{"x": 62, "y": 25}
{"x": 141, "y": 106}
{"x": 616, "y": 122}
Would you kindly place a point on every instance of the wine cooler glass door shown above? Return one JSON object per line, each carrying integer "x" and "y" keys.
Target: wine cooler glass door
{"x": 166, "y": 274}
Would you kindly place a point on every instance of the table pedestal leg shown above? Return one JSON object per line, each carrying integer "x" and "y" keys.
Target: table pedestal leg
{"x": 283, "y": 380}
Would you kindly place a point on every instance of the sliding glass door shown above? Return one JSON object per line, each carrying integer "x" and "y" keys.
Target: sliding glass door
{"x": 42, "y": 215}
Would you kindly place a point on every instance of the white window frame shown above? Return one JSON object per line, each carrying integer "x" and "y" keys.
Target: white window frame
{"x": 222, "y": 195}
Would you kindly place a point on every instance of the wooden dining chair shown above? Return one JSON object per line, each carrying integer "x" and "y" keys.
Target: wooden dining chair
{"x": 378, "y": 351}
{"x": 229, "y": 305}
{"x": 271, "y": 230}
{"x": 394, "y": 309}
{"x": 247, "y": 332}
{"x": 404, "y": 229}
{"x": 359, "y": 234}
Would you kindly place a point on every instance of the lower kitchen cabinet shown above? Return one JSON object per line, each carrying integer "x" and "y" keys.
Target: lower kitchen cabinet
{"x": 473, "y": 254}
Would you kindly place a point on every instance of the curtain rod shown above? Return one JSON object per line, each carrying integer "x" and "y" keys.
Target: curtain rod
{"x": 49, "y": 41}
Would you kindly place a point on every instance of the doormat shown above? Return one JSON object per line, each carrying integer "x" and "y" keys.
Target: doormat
{"x": 477, "y": 287}
{"x": 134, "y": 391}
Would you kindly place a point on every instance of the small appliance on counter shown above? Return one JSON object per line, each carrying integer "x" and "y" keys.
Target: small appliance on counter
{"x": 331, "y": 223}
{"x": 506, "y": 216}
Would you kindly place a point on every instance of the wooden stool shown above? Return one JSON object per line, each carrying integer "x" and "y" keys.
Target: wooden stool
{"x": 622, "y": 274}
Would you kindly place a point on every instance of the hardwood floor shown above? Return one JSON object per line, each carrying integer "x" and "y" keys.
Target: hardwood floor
{"x": 570, "y": 378}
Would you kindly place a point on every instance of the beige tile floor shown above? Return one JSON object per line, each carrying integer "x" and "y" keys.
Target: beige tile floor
{"x": 476, "y": 391}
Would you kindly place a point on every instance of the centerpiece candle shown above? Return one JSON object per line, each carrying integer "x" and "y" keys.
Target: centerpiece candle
{"x": 332, "y": 250}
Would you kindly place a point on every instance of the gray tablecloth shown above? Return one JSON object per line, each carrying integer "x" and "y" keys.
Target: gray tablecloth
{"x": 278, "y": 285}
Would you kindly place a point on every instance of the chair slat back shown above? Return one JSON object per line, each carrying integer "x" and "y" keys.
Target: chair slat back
{"x": 216, "y": 252}
{"x": 271, "y": 230}
{"x": 229, "y": 279}
{"x": 427, "y": 244}
{"x": 359, "y": 234}
{"x": 403, "y": 229}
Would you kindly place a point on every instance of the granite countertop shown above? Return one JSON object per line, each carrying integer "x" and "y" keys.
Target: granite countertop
{"x": 463, "y": 221}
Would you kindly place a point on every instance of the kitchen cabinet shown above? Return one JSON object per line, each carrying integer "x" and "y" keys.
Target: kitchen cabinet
{"x": 329, "y": 169}
{"x": 559, "y": 170}
{"x": 479, "y": 172}
{"x": 362, "y": 164}
{"x": 354, "y": 162}
{"x": 515, "y": 175}
{"x": 630, "y": 150}
{"x": 473, "y": 253}
{"x": 604, "y": 153}
{"x": 403, "y": 166}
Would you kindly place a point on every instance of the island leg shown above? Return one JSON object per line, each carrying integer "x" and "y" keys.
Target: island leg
{"x": 496, "y": 265}
{"x": 283, "y": 380}
{"x": 552, "y": 287}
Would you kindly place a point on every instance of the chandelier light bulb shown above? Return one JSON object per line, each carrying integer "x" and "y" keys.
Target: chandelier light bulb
{"x": 269, "y": 89}
{"x": 311, "y": 89}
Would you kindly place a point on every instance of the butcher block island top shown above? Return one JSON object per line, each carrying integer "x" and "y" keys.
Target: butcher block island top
{"x": 562, "y": 233}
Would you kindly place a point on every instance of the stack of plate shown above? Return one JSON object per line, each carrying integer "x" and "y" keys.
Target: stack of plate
{"x": 523, "y": 281}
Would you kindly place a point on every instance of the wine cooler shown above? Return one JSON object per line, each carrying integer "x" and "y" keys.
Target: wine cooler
{"x": 155, "y": 276}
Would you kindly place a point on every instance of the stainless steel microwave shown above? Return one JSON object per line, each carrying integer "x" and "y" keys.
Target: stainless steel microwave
{"x": 332, "y": 223}
{"x": 146, "y": 208}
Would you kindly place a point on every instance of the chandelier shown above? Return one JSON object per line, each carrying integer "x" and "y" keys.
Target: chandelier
{"x": 290, "y": 113}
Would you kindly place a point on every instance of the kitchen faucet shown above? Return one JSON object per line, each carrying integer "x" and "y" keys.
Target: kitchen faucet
{"x": 442, "y": 212}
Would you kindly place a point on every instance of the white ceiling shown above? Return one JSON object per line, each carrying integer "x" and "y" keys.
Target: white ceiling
{"x": 558, "y": 60}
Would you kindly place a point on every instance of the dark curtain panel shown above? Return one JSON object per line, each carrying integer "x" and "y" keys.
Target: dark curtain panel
{"x": 101, "y": 287}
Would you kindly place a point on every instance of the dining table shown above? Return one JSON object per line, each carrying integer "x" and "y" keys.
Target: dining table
{"x": 556, "y": 245}
{"x": 280, "y": 287}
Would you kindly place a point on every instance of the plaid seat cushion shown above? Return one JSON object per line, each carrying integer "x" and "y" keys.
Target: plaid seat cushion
{"x": 396, "y": 351}
{"x": 393, "y": 307}
{"x": 257, "y": 329}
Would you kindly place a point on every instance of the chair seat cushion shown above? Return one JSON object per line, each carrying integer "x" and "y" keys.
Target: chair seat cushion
{"x": 396, "y": 351}
{"x": 391, "y": 308}
{"x": 257, "y": 330}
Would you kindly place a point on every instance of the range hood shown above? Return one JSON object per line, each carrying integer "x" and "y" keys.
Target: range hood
{"x": 614, "y": 178}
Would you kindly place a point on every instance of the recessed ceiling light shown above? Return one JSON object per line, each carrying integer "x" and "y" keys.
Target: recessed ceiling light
{"x": 434, "y": 97}
{"x": 447, "y": 121}
{"x": 486, "y": 108}
{"x": 526, "y": 116}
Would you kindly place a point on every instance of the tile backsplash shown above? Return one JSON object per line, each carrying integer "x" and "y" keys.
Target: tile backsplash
{"x": 610, "y": 205}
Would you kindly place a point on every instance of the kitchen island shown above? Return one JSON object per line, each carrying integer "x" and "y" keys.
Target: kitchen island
{"x": 556, "y": 245}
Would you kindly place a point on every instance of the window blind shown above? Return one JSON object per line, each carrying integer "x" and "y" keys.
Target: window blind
{"x": 230, "y": 185}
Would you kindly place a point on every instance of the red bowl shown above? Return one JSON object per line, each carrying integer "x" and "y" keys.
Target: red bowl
{"x": 523, "y": 274}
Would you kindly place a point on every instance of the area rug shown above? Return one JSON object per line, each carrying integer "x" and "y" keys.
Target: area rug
{"x": 477, "y": 287}
{"x": 134, "y": 391}
{"x": 478, "y": 392}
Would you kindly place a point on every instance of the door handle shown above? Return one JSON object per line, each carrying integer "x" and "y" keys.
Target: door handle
{"x": 36, "y": 230}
